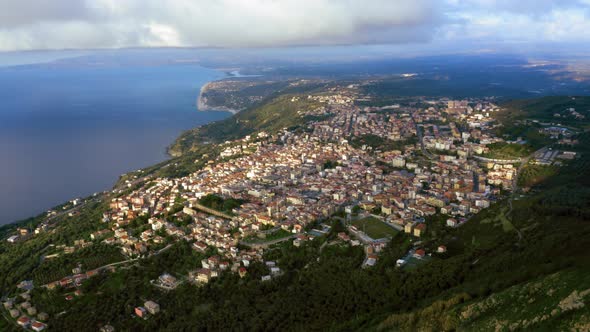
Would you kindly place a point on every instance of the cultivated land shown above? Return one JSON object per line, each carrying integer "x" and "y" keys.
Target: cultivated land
{"x": 184, "y": 235}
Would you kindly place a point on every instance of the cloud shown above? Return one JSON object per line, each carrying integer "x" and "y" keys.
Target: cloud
{"x": 18, "y": 13}
{"x": 517, "y": 22}
{"x": 80, "y": 24}
{"x": 228, "y": 23}
{"x": 526, "y": 7}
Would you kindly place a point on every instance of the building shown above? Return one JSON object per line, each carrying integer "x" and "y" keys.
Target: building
{"x": 38, "y": 326}
{"x": 408, "y": 228}
{"x": 43, "y": 316}
{"x": 32, "y": 311}
{"x": 419, "y": 253}
{"x": 419, "y": 230}
{"x": 451, "y": 222}
{"x": 141, "y": 312}
{"x": 12, "y": 239}
{"x": 23, "y": 321}
{"x": 167, "y": 280}
{"x": 107, "y": 328}
{"x": 152, "y": 307}
{"x": 242, "y": 271}
{"x": 14, "y": 313}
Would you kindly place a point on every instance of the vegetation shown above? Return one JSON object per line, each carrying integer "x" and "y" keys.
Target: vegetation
{"x": 503, "y": 150}
{"x": 266, "y": 237}
{"x": 531, "y": 175}
{"x": 544, "y": 110}
{"x": 240, "y": 93}
{"x": 380, "y": 143}
{"x": 220, "y": 204}
{"x": 271, "y": 115}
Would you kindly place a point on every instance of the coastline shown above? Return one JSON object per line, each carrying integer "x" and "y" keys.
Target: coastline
{"x": 203, "y": 106}
{"x": 165, "y": 151}
{"x": 202, "y": 101}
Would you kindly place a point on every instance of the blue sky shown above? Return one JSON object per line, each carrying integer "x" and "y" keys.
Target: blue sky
{"x": 463, "y": 25}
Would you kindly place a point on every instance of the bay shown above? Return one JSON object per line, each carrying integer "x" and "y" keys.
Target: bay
{"x": 70, "y": 131}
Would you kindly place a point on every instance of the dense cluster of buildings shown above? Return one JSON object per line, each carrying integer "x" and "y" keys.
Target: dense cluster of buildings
{"x": 291, "y": 179}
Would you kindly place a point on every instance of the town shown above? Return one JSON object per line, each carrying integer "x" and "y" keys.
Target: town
{"x": 378, "y": 171}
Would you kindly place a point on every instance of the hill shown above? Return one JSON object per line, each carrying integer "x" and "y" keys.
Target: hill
{"x": 273, "y": 113}
{"x": 520, "y": 264}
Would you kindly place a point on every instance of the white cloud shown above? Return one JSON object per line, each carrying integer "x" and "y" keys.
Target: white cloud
{"x": 560, "y": 24}
{"x": 58, "y": 24}
{"x": 122, "y": 23}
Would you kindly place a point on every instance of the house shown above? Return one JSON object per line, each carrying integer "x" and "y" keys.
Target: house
{"x": 23, "y": 321}
{"x": 152, "y": 307}
{"x": 32, "y": 311}
{"x": 13, "y": 239}
{"x": 371, "y": 260}
{"x": 451, "y": 222}
{"x": 275, "y": 270}
{"x": 53, "y": 285}
{"x": 441, "y": 249}
{"x": 8, "y": 304}
{"x": 43, "y": 316}
{"x": 386, "y": 209}
{"x": 99, "y": 234}
{"x": 265, "y": 278}
{"x": 140, "y": 312}
{"x": 344, "y": 237}
{"x": 199, "y": 246}
{"x": 107, "y": 328}
{"x": 419, "y": 230}
{"x": 38, "y": 326}
{"x": 242, "y": 272}
{"x": 408, "y": 228}
{"x": 213, "y": 261}
{"x": 203, "y": 275}
{"x": 419, "y": 253}
{"x": 14, "y": 313}
{"x": 167, "y": 280}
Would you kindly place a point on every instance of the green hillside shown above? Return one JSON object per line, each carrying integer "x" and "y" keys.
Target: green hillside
{"x": 556, "y": 302}
{"x": 507, "y": 268}
{"x": 272, "y": 114}
{"x": 546, "y": 109}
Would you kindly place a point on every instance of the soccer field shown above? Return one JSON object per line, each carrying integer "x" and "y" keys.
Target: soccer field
{"x": 374, "y": 227}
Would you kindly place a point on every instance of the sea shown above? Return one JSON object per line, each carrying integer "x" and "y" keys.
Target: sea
{"x": 70, "y": 128}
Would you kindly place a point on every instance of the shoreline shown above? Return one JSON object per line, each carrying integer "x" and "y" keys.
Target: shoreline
{"x": 202, "y": 101}
{"x": 202, "y": 105}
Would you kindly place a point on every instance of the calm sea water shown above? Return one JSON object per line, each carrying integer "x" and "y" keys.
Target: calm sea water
{"x": 71, "y": 131}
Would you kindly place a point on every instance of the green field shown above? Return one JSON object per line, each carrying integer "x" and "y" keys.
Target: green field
{"x": 278, "y": 234}
{"x": 503, "y": 150}
{"x": 374, "y": 227}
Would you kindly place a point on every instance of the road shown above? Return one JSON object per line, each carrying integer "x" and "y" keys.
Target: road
{"x": 515, "y": 186}
{"x": 268, "y": 243}
{"x": 128, "y": 261}
{"x": 420, "y": 138}
{"x": 75, "y": 208}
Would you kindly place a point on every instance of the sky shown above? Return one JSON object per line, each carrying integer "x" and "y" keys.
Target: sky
{"x": 467, "y": 24}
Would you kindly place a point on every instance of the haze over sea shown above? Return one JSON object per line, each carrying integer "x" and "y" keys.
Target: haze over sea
{"x": 70, "y": 129}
